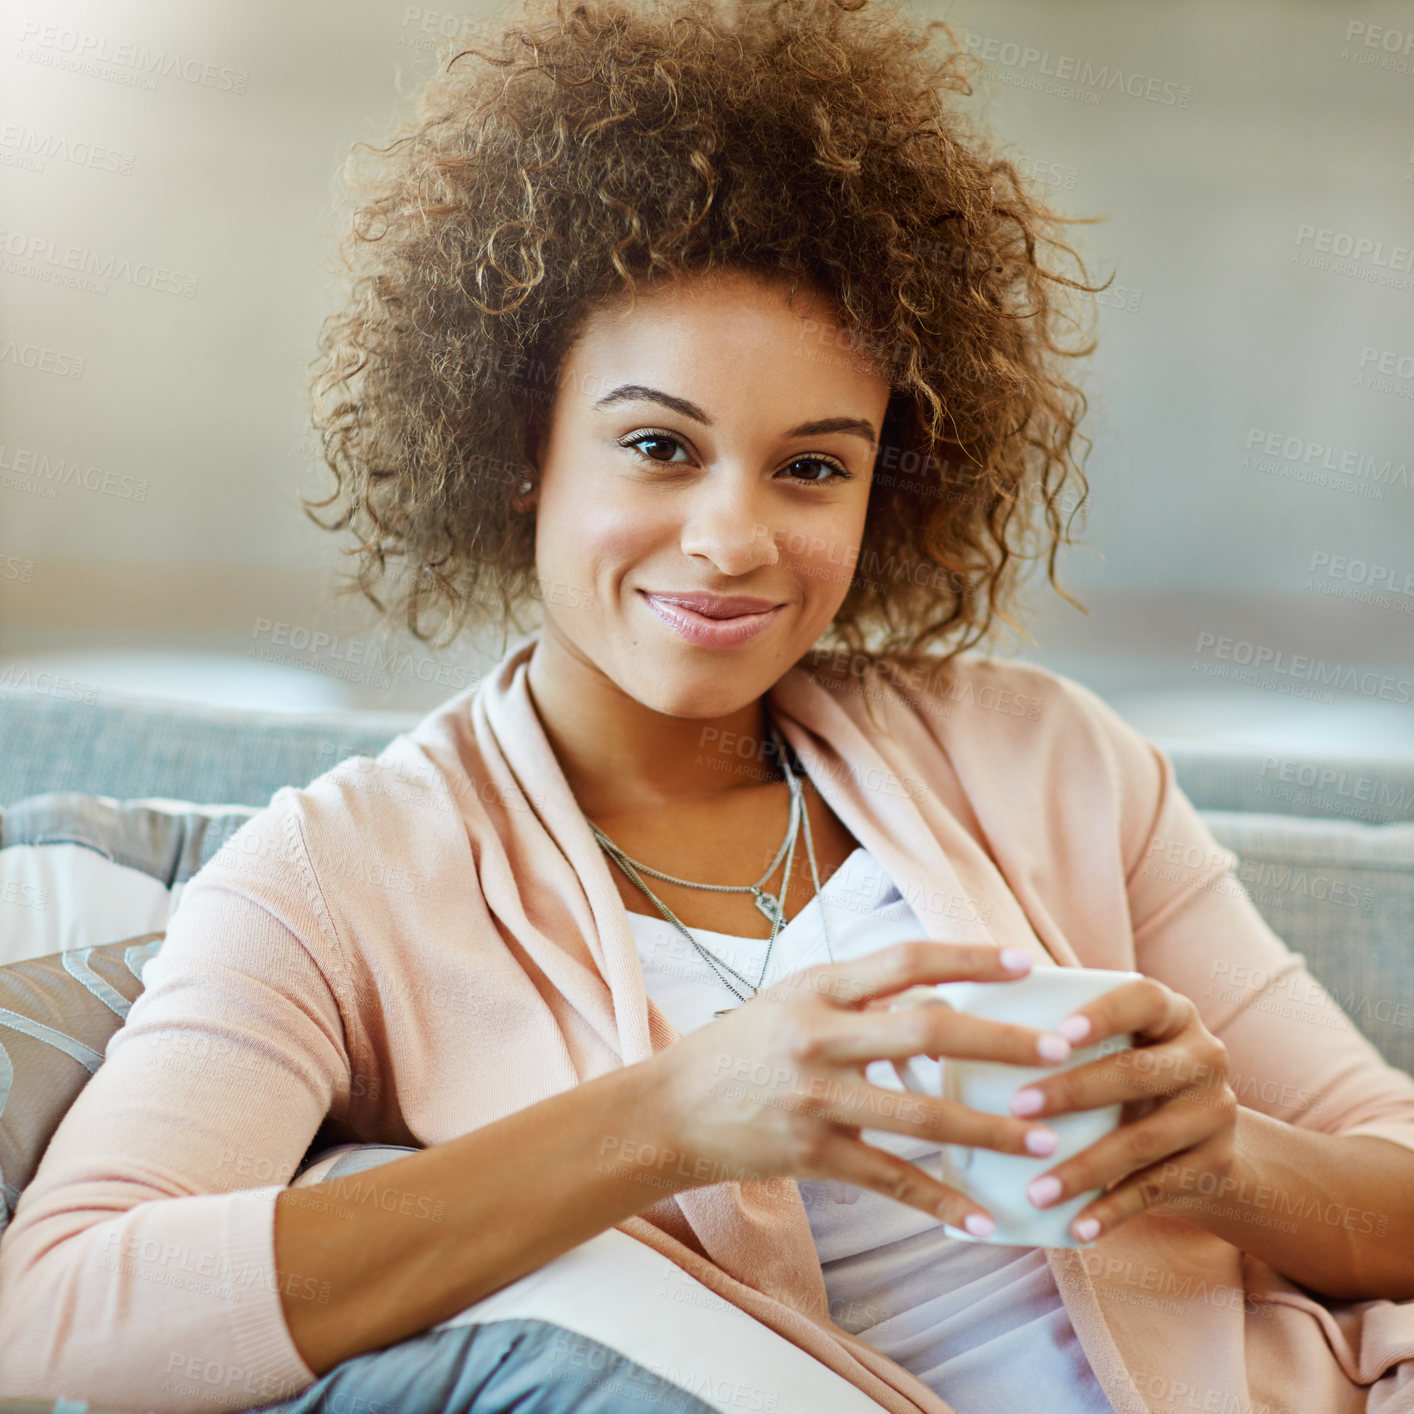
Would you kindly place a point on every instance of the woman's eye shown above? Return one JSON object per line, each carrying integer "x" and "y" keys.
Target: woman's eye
{"x": 831, "y": 469}
{"x": 653, "y": 444}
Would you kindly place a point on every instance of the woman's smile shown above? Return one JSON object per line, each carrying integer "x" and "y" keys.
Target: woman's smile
{"x": 713, "y": 620}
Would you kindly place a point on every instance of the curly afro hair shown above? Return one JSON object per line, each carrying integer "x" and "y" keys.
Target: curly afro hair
{"x": 559, "y": 160}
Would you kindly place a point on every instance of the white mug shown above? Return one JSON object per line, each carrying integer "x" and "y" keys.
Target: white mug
{"x": 1043, "y": 998}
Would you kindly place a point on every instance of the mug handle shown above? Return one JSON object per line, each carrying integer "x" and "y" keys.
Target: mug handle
{"x": 954, "y": 1158}
{"x": 908, "y": 1076}
{"x": 916, "y": 996}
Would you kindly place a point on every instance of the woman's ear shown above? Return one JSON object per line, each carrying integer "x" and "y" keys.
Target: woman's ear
{"x": 524, "y": 499}
{"x": 526, "y": 481}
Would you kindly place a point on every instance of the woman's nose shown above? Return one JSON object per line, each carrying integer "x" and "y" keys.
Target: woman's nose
{"x": 730, "y": 525}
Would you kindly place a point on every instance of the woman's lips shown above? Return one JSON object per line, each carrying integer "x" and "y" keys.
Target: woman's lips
{"x": 711, "y": 632}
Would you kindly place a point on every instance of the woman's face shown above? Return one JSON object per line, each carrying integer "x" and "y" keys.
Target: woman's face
{"x": 705, "y": 443}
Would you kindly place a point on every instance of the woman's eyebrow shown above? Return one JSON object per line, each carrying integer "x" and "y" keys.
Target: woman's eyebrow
{"x": 638, "y": 392}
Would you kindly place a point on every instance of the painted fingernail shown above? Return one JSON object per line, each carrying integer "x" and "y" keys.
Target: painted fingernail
{"x": 1052, "y": 1048}
{"x": 979, "y": 1224}
{"x": 1041, "y": 1140}
{"x": 1044, "y": 1190}
{"x": 1015, "y": 960}
{"x": 1075, "y": 1028}
{"x": 1027, "y": 1102}
{"x": 1087, "y": 1229}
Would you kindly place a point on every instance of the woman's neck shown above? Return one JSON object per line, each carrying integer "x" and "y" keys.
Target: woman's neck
{"x": 619, "y": 754}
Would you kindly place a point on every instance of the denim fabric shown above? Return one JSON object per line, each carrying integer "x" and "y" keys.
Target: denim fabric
{"x": 530, "y": 1367}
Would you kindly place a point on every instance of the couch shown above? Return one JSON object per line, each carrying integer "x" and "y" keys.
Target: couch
{"x": 1326, "y": 846}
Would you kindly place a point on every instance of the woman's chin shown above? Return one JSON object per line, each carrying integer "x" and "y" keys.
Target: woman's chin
{"x": 709, "y": 690}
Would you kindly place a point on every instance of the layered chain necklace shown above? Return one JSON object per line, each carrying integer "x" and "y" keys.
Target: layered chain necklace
{"x": 772, "y": 907}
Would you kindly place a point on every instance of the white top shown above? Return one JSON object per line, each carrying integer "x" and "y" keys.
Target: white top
{"x": 981, "y": 1324}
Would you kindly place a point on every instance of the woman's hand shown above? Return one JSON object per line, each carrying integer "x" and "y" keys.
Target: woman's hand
{"x": 1179, "y": 1112}
{"x": 777, "y": 1087}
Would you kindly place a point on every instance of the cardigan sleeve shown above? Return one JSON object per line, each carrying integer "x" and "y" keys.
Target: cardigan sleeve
{"x": 1293, "y": 1053}
{"x": 138, "y": 1270}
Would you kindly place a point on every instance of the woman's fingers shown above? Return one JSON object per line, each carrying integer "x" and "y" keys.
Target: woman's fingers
{"x": 850, "y": 1160}
{"x": 1144, "y": 1006}
{"x": 893, "y": 969}
{"x": 836, "y": 1100}
{"x": 1140, "y": 1192}
{"x": 1123, "y": 1154}
{"x": 935, "y": 1030}
{"x": 1180, "y": 1055}
{"x": 1147, "y": 1073}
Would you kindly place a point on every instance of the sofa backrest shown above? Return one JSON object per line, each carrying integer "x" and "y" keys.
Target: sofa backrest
{"x": 129, "y": 748}
{"x": 1340, "y": 893}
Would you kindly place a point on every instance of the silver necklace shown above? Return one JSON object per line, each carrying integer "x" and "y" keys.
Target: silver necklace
{"x": 767, "y": 903}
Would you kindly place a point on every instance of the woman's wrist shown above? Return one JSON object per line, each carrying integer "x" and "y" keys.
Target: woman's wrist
{"x": 1327, "y": 1212}
{"x": 642, "y": 1136}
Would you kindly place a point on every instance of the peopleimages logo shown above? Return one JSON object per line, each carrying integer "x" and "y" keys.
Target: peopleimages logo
{"x": 60, "y": 47}
{"x": 1397, "y": 579}
{"x": 42, "y": 360}
{"x": 42, "y": 257}
{"x": 23, "y": 469}
{"x": 1300, "y": 665}
{"x": 1345, "y": 243}
{"x": 1354, "y": 257}
{"x": 1378, "y": 46}
{"x": 1068, "y": 69}
{"x": 351, "y": 659}
{"x": 1277, "y": 453}
{"x": 31, "y": 148}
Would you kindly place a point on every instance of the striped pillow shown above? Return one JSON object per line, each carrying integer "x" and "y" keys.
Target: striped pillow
{"x": 82, "y": 870}
{"x": 87, "y": 884}
{"x": 57, "y": 1014}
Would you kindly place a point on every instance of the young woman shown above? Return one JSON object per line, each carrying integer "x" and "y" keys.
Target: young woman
{"x": 721, "y": 336}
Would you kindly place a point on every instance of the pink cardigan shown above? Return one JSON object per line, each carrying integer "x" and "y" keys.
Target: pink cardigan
{"x": 419, "y": 945}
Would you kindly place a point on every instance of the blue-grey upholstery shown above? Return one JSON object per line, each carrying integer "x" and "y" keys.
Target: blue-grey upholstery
{"x": 129, "y": 748}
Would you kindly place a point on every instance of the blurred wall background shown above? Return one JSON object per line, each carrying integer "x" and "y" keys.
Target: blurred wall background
{"x": 1252, "y": 480}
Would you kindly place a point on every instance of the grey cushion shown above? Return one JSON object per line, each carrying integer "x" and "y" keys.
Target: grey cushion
{"x": 1369, "y": 789}
{"x": 169, "y": 840}
{"x": 127, "y": 748}
{"x": 1341, "y": 893}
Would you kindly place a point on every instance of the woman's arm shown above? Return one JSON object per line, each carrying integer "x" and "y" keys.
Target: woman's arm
{"x": 1262, "y": 1096}
{"x": 1333, "y": 1212}
{"x": 515, "y": 1194}
{"x": 429, "y": 1234}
